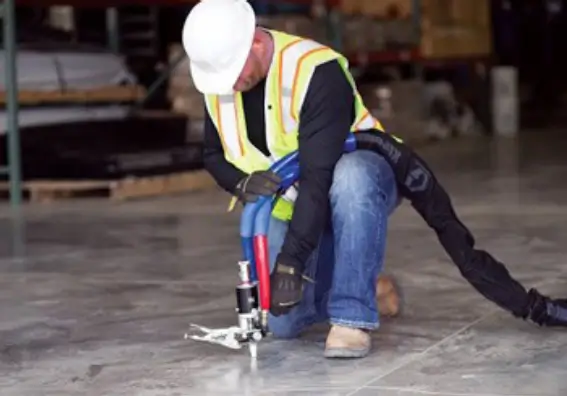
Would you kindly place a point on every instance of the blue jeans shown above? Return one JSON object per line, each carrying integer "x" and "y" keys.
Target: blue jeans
{"x": 350, "y": 253}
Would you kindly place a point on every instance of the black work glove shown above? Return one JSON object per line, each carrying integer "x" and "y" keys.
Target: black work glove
{"x": 286, "y": 289}
{"x": 257, "y": 184}
{"x": 546, "y": 311}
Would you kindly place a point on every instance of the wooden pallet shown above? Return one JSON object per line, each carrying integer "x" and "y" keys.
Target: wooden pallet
{"x": 130, "y": 188}
{"x": 95, "y": 95}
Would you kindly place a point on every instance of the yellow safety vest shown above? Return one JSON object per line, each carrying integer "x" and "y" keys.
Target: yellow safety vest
{"x": 295, "y": 60}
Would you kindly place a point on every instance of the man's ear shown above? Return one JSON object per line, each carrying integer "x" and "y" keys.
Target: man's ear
{"x": 257, "y": 36}
{"x": 257, "y": 42}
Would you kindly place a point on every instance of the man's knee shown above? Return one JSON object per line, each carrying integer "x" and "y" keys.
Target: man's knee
{"x": 363, "y": 175}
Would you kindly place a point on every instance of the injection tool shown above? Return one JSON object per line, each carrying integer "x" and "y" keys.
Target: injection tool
{"x": 253, "y": 291}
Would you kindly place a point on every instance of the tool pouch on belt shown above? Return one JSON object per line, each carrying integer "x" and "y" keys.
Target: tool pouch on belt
{"x": 417, "y": 183}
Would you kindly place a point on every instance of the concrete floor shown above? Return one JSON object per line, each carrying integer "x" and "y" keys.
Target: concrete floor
{"x": 96, "y": 299}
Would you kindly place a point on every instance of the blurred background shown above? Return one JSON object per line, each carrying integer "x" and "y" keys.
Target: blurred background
{"x": 104, "y": 91}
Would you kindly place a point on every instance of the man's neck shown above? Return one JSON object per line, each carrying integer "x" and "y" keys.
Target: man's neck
{"x": 268, "y": 56}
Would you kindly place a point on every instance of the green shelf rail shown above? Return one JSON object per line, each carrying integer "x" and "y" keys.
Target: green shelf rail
{"x": 13, "y": 168}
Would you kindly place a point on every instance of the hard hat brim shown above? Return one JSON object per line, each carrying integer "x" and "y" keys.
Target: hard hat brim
{"x": 222, "y": 82}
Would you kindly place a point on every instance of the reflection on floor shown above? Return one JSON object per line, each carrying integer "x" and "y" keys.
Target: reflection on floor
{"x": 97, "y": 296}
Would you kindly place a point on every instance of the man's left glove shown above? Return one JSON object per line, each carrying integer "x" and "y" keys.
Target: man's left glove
{"x": 286, "y": 289}
{"x": 546, "y": 311}
{"x": 257, "y": 184}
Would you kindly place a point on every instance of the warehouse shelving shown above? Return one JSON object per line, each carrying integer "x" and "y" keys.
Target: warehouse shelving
{"x": 332, "y": 12}
{"x": 13, "y": 168}
{"x": 330, "y": 5}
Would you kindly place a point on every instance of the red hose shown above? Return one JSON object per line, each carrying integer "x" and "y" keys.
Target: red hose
{"x": 263, "y": 269}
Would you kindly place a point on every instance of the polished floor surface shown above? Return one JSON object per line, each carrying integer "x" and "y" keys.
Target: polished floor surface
{"x": 95, "y": 297}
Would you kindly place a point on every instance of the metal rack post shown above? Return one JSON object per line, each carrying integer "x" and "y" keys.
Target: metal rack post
{"x": 13, "y": 134}
{"x": 112, "y": 30}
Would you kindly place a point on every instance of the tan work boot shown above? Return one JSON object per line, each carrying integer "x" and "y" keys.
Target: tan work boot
{"x": 347, "y": 342}
{"x": 387, "y": 296}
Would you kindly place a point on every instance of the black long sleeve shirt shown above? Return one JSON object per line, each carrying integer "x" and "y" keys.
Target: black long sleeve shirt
{"x": 325, "y": 120}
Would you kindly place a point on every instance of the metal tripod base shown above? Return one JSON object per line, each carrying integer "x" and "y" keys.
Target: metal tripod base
{"x": 231, "y": 337}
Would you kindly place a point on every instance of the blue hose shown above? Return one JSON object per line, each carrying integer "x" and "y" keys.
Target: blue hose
{"x": 255, "y": 218}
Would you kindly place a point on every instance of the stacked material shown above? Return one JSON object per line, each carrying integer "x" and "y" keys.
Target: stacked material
{"x": 67, "y": 76}
{"x": 446, "y": 29}
{"x": 399, "y": 106}
{"x": 370, "y": 25}
{"x": 455, "y": 28}
{"x": 361, "y": 34}
{"x": 300, "y": 25}
{"x": 182, "y": 94}
{"x": 69, "y": 84}
{"x": 384, "y": 9}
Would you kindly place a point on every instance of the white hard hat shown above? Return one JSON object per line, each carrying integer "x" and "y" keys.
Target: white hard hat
{"x": 217, "y": 37}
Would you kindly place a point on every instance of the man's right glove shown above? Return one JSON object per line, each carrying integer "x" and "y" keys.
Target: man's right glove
{"x": 546, "y": 311}
{"x": 286, "y": 285}
{"x": 257, "y": 184}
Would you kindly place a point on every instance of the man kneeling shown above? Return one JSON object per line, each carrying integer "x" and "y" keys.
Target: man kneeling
{"x": 268, "y": 94}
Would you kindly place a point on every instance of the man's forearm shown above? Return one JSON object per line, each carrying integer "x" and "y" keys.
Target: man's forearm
{"x": 225, "y": 174}
{"x": 325, "y": 122}
{"x": 309, "y": 217}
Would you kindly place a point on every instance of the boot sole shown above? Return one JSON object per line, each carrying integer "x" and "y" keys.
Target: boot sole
{"x": 346, "y": 353}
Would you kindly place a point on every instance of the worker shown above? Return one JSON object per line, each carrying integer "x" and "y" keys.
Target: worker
{"x": 267, "y": 94}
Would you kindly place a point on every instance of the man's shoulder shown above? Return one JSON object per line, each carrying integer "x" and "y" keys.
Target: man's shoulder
{"x": 328, "y": 75}
{"x": 328, "y": 85}
{"x": 330, "y": 69}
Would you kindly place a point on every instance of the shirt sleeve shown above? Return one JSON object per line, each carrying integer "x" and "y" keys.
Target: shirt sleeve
{"x": 225, "y": 174}
{"x": 325, "y": 120}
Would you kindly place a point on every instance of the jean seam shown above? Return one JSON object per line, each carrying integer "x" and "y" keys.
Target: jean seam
{"x": 355, "y": 324}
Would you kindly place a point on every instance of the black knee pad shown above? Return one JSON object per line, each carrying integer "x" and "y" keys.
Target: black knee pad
{"x": 418, "y": 184}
